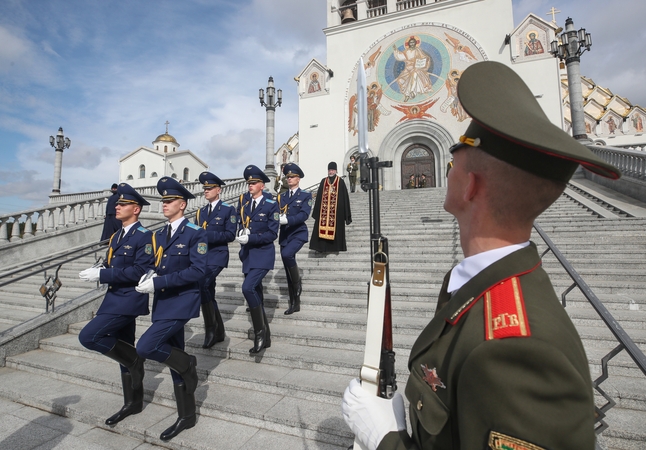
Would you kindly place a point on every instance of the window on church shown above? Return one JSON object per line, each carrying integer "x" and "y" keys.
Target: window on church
{"x": 153, "y": 175}
{"x": 185, "y": 177}
{"x": 129, "y": 177}
{"x": 165, "y": 148}
{"x": 142, "y": 171}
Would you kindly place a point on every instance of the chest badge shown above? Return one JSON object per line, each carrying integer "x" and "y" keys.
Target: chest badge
{"x": 180, "y": 246}
{"x": 431, "y": 378}
{"x": 127, "y": 247}
{"x": 262, "y": 215}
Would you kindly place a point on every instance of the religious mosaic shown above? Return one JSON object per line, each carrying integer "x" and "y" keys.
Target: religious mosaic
{"x": 413, "y": 73}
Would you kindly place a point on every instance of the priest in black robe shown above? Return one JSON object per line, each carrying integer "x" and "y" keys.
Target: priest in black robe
{"x": 331, "y": 214}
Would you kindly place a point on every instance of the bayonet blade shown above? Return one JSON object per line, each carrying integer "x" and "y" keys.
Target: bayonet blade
{"x": 362, "y": 108}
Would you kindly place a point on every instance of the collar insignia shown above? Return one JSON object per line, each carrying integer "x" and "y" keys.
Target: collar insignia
{"x": 431, "y": 378}
{"x": 180, "y": 246}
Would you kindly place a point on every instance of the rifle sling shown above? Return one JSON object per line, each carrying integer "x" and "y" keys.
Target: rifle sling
{"x": 369, "y": 374}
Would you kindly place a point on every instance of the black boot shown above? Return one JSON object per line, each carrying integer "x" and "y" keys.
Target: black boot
{"x": 185, "y": 365}
{"x": 259, "y": 329}
{"x": 126, "y": 355}
{"x": 133, "y": 401}
{"x": 185, "y": 411}
{"x": 294, "y": 280}
{"x": 213, "y": 325}
{"x": 267, "y": 332}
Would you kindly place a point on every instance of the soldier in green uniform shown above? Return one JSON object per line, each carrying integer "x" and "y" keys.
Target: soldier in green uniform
{"x": 411, "y": 182}
{"x": 501, "y": 365}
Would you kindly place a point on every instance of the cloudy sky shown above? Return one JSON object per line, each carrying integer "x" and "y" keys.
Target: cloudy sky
{"x": 112, "y": 72}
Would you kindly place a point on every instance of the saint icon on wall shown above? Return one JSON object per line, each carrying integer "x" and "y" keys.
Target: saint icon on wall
{"x": 533, "y": 46}
{"x": 314, "y": 85}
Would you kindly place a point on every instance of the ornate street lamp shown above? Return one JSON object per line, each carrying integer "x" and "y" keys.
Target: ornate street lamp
{"x": 270, "y": 102}
{"x": 59, "y": 143}
{"x": 569, "y": 48}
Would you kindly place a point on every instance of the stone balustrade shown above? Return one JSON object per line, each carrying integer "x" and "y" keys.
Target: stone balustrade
{"x": 69, "y": 210}
{"x": 631, "y": 163}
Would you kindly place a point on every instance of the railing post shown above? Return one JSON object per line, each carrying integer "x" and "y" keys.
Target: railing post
{"x": 82, "y": 212}
{"x": 90, "y": 210}
{"x": 28, "y": 231}
{"x": 40, "y": 223}
{"x": 15, "y": 229}
{"x": 3, "y": 232}
{"x": 61, "y": 217}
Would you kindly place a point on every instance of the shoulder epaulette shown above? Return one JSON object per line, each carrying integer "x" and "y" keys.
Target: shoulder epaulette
{"x": 192, "y": 225}
{"x": 143, "y": 230}
{"x": 226, "y": 204}
{"x": 504, "y": 311}
{"x": 270, "y": 201}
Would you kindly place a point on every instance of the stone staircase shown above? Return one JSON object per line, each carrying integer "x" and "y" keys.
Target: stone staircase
{"x": 289, "y": 396}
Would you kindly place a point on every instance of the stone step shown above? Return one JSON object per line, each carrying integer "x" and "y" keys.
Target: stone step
{"x": 281, "y": 421}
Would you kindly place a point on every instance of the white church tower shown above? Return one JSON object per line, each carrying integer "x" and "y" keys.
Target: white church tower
{"x": 414, "y": 52}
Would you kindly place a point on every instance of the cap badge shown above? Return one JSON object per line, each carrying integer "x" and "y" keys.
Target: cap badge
{"x": 165, "y": 192}
{"x": 431, "y": 378}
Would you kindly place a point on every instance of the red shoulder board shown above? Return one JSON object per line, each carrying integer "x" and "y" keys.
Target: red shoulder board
{"x": 504, "y": 311}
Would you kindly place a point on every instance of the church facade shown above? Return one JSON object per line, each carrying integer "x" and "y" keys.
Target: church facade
{"x": 144, "y": 166}
{"x": 414, "y": 52}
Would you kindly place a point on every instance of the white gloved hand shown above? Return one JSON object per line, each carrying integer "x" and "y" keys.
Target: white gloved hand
{"x": 147, "y": 286}
{"x": 283, "y": 219}
{"x": 91, "y": 274}
{"x": 243, "y": 239}
{"x": 370, "y": 417}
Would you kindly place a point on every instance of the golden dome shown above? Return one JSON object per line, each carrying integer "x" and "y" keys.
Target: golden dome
{"x": 167, "y": 138}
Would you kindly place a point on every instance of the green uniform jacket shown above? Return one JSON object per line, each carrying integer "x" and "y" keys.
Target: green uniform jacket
{"x": 535, "y": 389}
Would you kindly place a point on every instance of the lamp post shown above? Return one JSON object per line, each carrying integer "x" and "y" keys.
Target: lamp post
{"x": 59, "y": 143}
{"x": 270, "y": 102}
{"x": 572, "y": 45}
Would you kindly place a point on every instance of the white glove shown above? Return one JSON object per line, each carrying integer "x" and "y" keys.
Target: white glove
{"x": 91, "y": 274}
{"x": 243, "y": 239}
{"x": 243, "y": 231}
{"x": 147, "y": 286}
{"x": 370, "y": 417}
{"x": 283, "y": 219}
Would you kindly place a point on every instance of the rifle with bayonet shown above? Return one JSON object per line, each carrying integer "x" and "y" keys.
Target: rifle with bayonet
{"x": 378, "y": 370}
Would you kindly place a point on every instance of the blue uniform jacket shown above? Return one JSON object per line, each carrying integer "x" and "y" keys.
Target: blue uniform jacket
{"x": 126, "y": 262}
{"x": 220, "y": 229}
{"x": 181, "y": 263}
{"x": 298, "y": 209}
{"x": 259, "y": 252}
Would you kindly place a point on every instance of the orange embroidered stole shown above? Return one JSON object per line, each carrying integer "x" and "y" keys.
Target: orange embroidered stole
{"x": 327, "y": 219}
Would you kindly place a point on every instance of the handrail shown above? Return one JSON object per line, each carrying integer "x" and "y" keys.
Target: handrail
{"x": 625, "y": 342}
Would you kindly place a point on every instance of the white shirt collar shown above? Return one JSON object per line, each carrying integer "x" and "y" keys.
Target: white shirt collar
{"x": 214, "y": 204}
{"x": 127, "y": 228}
{"x": 473, "y": 265}
{"x": 174, "y": 225}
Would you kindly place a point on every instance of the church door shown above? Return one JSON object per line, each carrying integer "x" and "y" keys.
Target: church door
{"x": 418, "y": 167}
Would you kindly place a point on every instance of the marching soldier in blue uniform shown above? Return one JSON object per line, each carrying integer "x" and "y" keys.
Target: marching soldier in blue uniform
{"x": 243, "y": 200}
{"x": 220, "y": 222}
{"x": 112, "y": 331}
{"x": 295, "y": 206}
{"x": 259, "y": 218}
{"x": 180, "y": 250}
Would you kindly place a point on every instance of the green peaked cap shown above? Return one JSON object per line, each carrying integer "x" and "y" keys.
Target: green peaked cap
{"x": 509, "y": 124}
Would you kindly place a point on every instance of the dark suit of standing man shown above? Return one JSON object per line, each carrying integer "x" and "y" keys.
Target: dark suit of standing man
{"x": 180, "y": 256}
{"x": 501, "y": 364}
{"x": 112, "y": 331}
{"x": 295, "y": 206}
{"x": 220, "y": 222}
{"x": 111, "y": 223}
{"x": 259, "y": 218}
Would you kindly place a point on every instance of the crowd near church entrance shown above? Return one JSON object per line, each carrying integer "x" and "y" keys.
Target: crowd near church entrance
{"x": 418, "y": 167}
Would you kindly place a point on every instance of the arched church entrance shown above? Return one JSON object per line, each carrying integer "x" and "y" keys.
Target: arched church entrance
{"x": 418, "y": 167}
